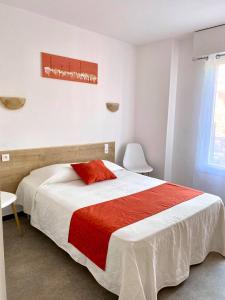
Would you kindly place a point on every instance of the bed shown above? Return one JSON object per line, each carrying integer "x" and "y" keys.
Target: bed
{"x": 142, "y": 257}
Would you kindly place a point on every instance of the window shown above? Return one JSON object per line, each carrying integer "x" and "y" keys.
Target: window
{"x": 211, "y": 135}
{"x": 216, "y": 153}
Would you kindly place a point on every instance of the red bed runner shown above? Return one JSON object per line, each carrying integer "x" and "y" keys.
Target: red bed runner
{"x": 91, "y": 227}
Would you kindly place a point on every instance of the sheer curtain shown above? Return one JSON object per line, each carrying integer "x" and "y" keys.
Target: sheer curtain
{"x": 207, "y": 176}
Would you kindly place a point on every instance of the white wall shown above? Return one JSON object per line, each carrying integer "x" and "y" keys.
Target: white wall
{"x": 61, "y": 112}
{"x": 209, "y": 41}
{"x": 186, "y": 121}
{"x": 170, "y": 135}
{"x": 153, "y": 73}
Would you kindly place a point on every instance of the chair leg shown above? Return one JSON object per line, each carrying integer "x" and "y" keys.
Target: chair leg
{"x": 16, "y": 219}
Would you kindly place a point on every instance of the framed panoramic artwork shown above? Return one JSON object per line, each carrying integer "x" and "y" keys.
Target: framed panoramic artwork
{"x": 64, "y": 68}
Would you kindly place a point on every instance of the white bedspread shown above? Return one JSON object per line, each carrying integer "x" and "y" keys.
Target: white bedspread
{"x": 143, "y": 257}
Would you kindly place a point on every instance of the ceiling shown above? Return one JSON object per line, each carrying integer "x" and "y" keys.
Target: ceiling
{"x": 134, "y": 21}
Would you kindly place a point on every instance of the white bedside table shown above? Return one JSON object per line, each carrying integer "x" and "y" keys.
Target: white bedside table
{"x": 9, "y": 199}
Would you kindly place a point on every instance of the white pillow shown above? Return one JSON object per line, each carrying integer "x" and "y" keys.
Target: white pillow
{"x": 63, "y": 173}
{"x": 54, "y": 173}
{"x": 112, "y": 166}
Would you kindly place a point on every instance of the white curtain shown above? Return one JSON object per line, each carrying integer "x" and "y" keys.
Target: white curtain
{"x": 207, "y": 177}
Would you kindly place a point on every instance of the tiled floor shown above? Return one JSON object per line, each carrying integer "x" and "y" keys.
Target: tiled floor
{"x": 37, "y": 269}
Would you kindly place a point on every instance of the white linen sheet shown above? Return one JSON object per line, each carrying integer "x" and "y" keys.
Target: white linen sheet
{"x": 143, "y": 257}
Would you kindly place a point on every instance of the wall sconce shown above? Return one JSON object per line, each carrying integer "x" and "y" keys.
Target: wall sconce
{"x": 13, "y": 102}
{"x": 112, "y": 106}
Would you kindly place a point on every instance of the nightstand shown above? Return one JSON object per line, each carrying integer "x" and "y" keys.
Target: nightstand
{"x": 9, "y": 199}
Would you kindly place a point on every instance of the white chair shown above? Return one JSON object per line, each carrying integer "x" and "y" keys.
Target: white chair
{"x": 134, "y": 159}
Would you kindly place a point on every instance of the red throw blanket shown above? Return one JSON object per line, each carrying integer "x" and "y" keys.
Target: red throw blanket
{"x": 91, "y": 227}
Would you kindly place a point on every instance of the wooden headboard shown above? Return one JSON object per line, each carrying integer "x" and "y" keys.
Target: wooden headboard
{"x": 22, "y": 162}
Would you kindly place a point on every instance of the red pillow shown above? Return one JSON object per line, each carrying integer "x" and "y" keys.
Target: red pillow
{"x": 93, "y": 171}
